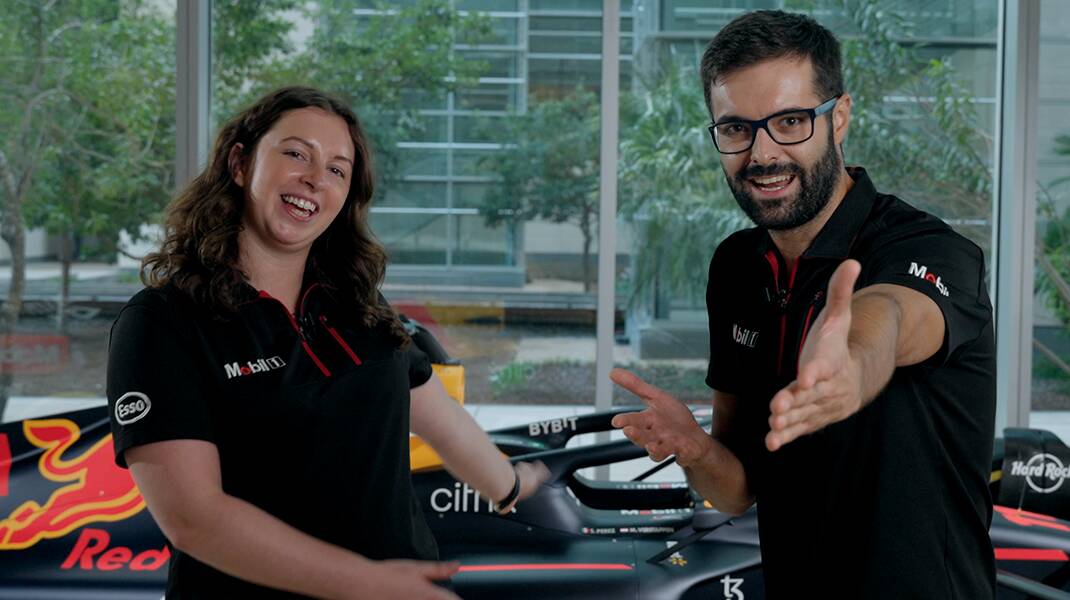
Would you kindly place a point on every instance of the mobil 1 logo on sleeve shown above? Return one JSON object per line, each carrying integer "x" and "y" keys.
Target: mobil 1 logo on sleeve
{"x": 132, "y": 407}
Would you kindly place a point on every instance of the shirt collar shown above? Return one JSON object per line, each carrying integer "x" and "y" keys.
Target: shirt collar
{"x": 836, "y": 237}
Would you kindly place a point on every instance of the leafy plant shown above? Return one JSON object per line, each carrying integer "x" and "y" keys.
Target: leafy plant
{"x": 550, "y": 169}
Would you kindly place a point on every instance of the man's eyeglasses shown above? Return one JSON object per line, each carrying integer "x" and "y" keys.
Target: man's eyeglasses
{"x": 785, "y": 128}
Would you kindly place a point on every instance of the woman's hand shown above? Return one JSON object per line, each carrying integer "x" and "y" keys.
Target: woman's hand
{"x": 407, "y": 580}
{"x": 532, "y": 475}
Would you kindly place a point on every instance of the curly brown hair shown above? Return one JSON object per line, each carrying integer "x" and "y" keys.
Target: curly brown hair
{"x": 199, "y": 254}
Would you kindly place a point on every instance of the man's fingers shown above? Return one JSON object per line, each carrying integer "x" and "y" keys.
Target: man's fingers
{"x": 436, "y": 571}
{"x": 657, "y": 451}
{"x": 631, "y": 382}
{"x": 786, "y": 399}
{"x": 443, "y": 594}
{"x": 775, "y": 440}
{"x": 841, "y": 287}
{"x": 639, "y": 437}
{"x": 804, "y": 412}
{"x": 639, "y": 420}
{"x": 813, "y": 372}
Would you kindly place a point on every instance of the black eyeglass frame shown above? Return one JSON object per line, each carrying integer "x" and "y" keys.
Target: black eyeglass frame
{"x": 814, "y": 113}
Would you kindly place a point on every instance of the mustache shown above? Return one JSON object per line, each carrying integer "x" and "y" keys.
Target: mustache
{"x": 753, "y": 171}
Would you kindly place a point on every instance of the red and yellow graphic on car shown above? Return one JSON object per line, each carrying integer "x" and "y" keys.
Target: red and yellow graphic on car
{"x": 96, "y": 490}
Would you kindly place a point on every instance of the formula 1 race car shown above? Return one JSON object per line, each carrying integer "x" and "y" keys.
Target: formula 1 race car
{"x": 73, "y": 525}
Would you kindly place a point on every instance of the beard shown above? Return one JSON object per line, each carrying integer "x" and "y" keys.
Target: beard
{"x": 815, "y": 190}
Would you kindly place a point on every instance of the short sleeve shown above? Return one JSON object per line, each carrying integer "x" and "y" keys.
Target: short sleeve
{"x": 419, "y": 366}
{"x": 947, "y": 268}
{"x": 155, "y": 392}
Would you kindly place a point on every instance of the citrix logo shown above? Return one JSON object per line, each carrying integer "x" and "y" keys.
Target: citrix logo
{"x": 462, "y": 499}
{"x": 260, "y": 365}
{"x": 923, "y": 272}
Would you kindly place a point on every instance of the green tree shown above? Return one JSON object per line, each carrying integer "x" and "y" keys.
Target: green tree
{"x": 550, "y": 169}
{"x": 672, "y": 191}
{"x": 77, "y": 116}
{"x": 375, "y": 60}
{"x": 114, "y": 165}
{"x": 1053, "y": 254}
{"x": 87, "y": 109}
{"x": 931, "y": 151}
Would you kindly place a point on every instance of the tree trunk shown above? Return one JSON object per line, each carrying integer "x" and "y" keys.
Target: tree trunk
{"x": 13, "y": 232}
{"x": 66, "y": 256}
{"x": 585, "y": 229}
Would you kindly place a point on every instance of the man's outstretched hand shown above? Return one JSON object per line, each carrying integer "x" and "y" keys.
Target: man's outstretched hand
{"x": 828, "y": 385}
{"x": 665, "y": 428}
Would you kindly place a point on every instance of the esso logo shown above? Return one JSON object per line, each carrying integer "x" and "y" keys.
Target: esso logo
{"x": 132, "y": 407}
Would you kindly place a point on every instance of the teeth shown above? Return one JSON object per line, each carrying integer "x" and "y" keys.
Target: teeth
{"x": 771, "y": 180}
{"x": 299, "y": 203}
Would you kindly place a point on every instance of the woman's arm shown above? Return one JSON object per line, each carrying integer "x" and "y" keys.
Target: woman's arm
{"x": 465, "y": 448}
{"x": 180, "y": 481}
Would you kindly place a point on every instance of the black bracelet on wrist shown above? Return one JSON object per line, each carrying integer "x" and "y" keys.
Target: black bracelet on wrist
{"x": 507, "y": 503}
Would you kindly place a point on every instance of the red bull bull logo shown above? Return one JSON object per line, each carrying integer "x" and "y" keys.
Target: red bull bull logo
{"x": 95, "y": 490}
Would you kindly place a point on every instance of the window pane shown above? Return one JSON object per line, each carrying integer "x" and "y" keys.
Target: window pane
{"x": 412, "y": 239}
{"x": 413, "y": 194}
{"x": 478, "y": 244}
{"x": 1051, "y": 307}
{"x": 926, "y": 137}
{"x": 87, "y": 111}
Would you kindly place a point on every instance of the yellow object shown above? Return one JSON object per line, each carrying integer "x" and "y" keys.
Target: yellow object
{"x": 421, "y": 455}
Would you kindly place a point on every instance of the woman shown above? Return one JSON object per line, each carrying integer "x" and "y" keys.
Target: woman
{"x": 260, "y": 386}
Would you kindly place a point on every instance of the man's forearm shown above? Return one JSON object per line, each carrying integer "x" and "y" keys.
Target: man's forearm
{"x": 873, "y": 340}
{"x": 719, "y": 478}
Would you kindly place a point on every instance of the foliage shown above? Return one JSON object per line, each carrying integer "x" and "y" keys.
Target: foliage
{"x": 930, "y": 149}
{"x": 1053, "y": 245}
{"x": 550, "y": 170}
{"x": 672, "y": 189}
{"x": 109, "y": 162}
{"x": 375, "y": 60}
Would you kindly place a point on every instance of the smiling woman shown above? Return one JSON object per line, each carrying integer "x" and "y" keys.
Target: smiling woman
{"x": 267, "y": 262}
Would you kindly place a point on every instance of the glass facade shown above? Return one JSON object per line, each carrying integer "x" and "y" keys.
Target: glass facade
{"x": 485, "y": 121}
{"x": 87, "y": 152}
{"x": 1051, "y": 307}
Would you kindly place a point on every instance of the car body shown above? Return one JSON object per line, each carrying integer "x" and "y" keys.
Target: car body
{"x": 74, "y": 525}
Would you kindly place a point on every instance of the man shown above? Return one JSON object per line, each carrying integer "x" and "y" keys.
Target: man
{"x": 851, "y": 347}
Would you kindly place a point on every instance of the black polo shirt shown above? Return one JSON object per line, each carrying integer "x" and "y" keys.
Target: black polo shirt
{"x": 893, "y": 501}
{"x": 310, "y": 413}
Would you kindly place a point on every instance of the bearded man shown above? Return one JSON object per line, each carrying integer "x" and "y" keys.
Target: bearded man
{"x": 852, "y": 359}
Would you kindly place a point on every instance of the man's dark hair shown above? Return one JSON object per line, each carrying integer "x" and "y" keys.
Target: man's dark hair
{"x": 767, "y": 34}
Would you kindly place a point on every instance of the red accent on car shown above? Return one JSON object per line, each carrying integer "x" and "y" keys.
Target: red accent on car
{"x": 1030, "y": 519}
{"x": 1046, "y": 554}
{"x": 548, "y": 567}
{"x": 5, "y": 463}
